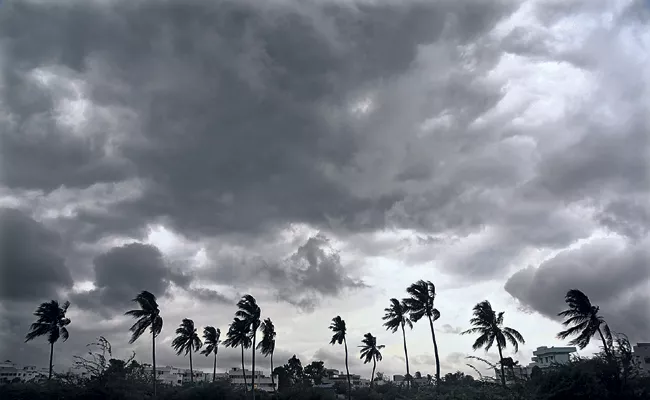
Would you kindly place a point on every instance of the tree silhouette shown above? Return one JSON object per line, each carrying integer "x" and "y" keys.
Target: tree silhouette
{"x": 148, "y": 318}
{"x": 370, "y": 352}
{"x": 584, "y": 321}
{"x": 267, "y": 344}
{"x": 239, "y": 335}
{"x": 339, "y": 329}
{"x": 294, "y": 369}
{"x": 396, "y": 317}
{"x": 250, "y": 312}
{"x": 187, "y": 341}
{"x": 211, "y": 340}
{"x": 420, "y": 303}
{"x": 489, "y": 325}
{"x": 50, "y": 321}
{"x": 316, "y": 372}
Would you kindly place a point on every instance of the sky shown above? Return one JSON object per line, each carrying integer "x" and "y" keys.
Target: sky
{"x": 322, "y": 156}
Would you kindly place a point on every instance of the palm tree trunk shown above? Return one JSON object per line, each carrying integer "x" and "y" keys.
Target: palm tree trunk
{"x": 214, "y": 367}
{"x": 153, "y": 357}
{"x": 372, "y": 377}
{"x": 272, "y": 378}
{"x": 435, "y": 350}
{"x": 503, "y": 374}
{"x": 49, "y": 376}
{"x": 242, "y": 369}
{"x": 347, "y": 369}
{"x": 253, "y": 367}
{"x": 605, "y": 346}
{"x": 191, "y": 369}
{"x": 406, "y": 355}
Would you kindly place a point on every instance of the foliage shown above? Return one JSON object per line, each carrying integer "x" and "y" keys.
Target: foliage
{"x": 583, "y": 320}
{"x": 315, "y": 372}
{"x": 148, "y": 316}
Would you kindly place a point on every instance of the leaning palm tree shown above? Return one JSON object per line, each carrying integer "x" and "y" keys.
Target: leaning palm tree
{"x": 489, "y": 325}
{"x": 52, "y": 322}
{"x": 370, "y": 351}
{"x": 339, "y": 329}
{"x": 239, "y": 335}
{"x": 396, "y": 317}
{"x": 267, "y": 344}
{"x": 584, "y": 320}
{"x": 148, "y": 318}
{"x": 250, "y": 312}
{"x": 187, "y": 341}
{"x": 211, "y": 340}
{"x": 420, "y": 304}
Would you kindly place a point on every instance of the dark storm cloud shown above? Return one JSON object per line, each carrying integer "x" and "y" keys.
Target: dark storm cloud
{"x": 613, "y": 273}
{"x": 31, "y": 266}
{"x": 123, "y": 272}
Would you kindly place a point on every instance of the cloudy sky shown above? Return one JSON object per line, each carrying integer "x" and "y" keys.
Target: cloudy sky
{"x": 322, "y": 155}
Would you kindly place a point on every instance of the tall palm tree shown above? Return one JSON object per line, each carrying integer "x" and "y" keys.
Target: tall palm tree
{"x": 267, "y": 344}
{"x": 52, "y": 322}
{"x": 211, "y": 340}
{"x": 370, "y": 351}
{"x": 489, "y": 325}
{"x": 420, "y": 304}
{"x": 239, "y": 335}
{"x": 397, "y": 317}
{"x": 584, "y": 320}
{"x": 148, "y": 318}
{"x": 187, "y": 341}
{"x": 339, "y": 329}
{"x": 250, "y": 312}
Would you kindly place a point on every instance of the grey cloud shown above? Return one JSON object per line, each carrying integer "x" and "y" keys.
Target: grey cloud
{"x": 31, "y": 264}
{"x": 446, "y": 328}
{"x": 614, "y": 274}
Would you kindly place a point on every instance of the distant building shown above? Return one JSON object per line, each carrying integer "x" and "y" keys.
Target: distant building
{"x": 175, "y": 376}
{"x": 334, "y": 376}
{"x": 262, "y": 382}
{"x": 10, "y": 372}
{"x": 545, "y": 357}
{"x": 641, "y": 354}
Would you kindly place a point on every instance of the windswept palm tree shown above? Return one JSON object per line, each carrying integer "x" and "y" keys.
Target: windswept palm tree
{"x": 250, "y": 312}
{"x": 148, "y": 318}
{"x": 489, "y": 325}
{"x": 370, "y": 351}
{"x": 584, "y": 321}
{"x": 339, "y": 329}
{"x": 211, "y": 340}
{"x": 187, "y": 341}
{"x": 267, "y": 344}
{"x": 396, "y": 317}
{"x": 52, "y": 322}
{"x": 420, "y": 304}
{"x": 239, "y": 335}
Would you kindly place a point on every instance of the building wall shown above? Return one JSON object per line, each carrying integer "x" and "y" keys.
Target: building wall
{"x": 641, "y": 354}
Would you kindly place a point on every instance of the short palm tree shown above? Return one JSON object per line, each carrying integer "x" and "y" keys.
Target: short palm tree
{"x": 250, "y": 312}
{"x": 339, "y": 329}
{"x": 187, "y": 341}
{"x": 239, "y": 336}
{"x": 420, "y": 304}
{"x": 148, "y": 318}
{"x": 51, "y": 321}
{"x": 584, "y": 320}
{"x": 267, "y": 344}
{"x": 370, "y": 352}
{"x": 211, "y": 340}
{"x": 489, "y": 325}
{"x": 396, "y": 317}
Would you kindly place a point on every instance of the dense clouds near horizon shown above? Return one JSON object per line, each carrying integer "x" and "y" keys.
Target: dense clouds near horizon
{"x": 322, "y": 155}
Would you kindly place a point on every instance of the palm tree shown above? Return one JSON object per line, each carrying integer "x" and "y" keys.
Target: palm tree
{"x": 148, "y": 318}
{"x": 420, "y": 304}
{"x": 489, "y": 325}
{"x": 338, "y": 327}
{"x": 52, "y": 322}
{"x": 584, "y": 320}
{"x": 370, "y": 351}
{"x": 187, "y": 341}
{"x": 267, "y": 344}
{"x": 396, "y": 317}
{"x": 250, "y": 312}
{"x": 239, "y": 335}
{"x": 211, "y": 340}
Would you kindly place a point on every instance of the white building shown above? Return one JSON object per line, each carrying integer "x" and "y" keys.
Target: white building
{"x": 641, "y": 354}
{"x": 10, "y": 371}
{"x": 545, "y": 357}
{"x": 262, "y": 382}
